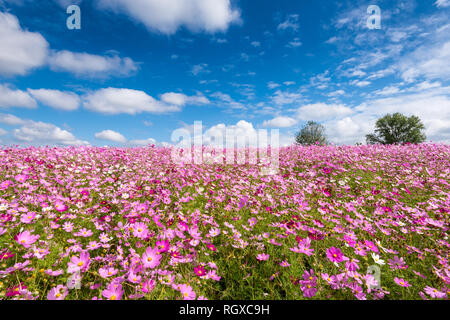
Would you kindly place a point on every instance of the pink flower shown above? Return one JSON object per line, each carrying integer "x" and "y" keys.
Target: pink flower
{"x": 26, "y": 238}
{"x": 200, "y": 270}
{"x": 163, "y": 246}
{"x": 402, "y": 282}
{"x": 434, "y": 293}
{"x": 113, "y": 291}
{"x": 335, "y": 254}
{"x": 107, "y": 272}
{"x": 371, "y": 246}
{"x": 187, "y": 292}
{"x": 148, "y": 285}
{"x": 79, "y": 263}
{"x": 58, "y": 293}
{"x": 27, "y": 217}
{"x": 60, "y": 206}
{"x": 151, "y": 259}
{"x": 21, "y": 178}
{"x": 140, "y": 230}
{"x": 262, "y": 257}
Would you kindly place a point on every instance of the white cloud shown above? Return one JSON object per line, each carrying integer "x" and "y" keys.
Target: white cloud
{"x": 227, "y": 100}
{"x": 143, "y": 142}
{"x": 15, "y": 98}
{"x": 336, "y": 93}
{"x": 294, "y": 43}
{"x": 280, "y": 122}
{"x": 429, "y": 62}
{"x": 20, "y": 50}
{"x": 3, "y": 132}
{"x": 179, "y": 99}
{"x": 56, "y": 99}
{"x": 10, "y": 119}
{"x": 128, "y": 101}
{"x": 85, "y": 64}
{"x": 272, "y": 85}
{"x": 170, "y": 15}
{"x": 360, "y": 83}
{"x": 322, "y": 111}
{"x": 442, "y": 3}
{"x": 291, "y": 22}
{"x": 282, "y": 98}
{"x": 200, "y": 68}
{"x": 431, "y": 105}
{"x": 41, "y": 133}
{"x": 256, "y": 44}
{"x": 111, "y": 135}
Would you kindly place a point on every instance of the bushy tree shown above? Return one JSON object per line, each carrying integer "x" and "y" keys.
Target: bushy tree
{"x": 397, "y": 128}
{"x": 311, "y": 133}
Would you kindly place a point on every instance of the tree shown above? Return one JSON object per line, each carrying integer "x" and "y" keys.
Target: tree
{"x": 311, "y": 133}
{"x": 397, "y": 128}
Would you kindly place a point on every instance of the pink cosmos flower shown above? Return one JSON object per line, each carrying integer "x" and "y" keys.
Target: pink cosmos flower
{"x": 58, "y": 293}
{"x": 262, "y": 257}
{"x": 133, "y": 277}
{"x": 163, "y": 246}
{"x": 335, "y": 254}
{"x": 113, "y": 291}
{"x": 26, "y": 238}
{"x": 60, "y": 206}
{"x": 371, "y": 246}
{"x": 151, "y": 259}
{"x": 148, "y": 285}
{"x": 27, "y": 217}
{"x": 107, "y": 272}
{"x": 434, "y": 293}
{"x": 402, "y": 282}
{"x": 21, "y": 178}
{"x": 79, "y": 263}
{"x": 140, "y": 230}
{"x": 200, "y": 270}
{"x": 187, "y": 292}
{"x": 6, "y": 255}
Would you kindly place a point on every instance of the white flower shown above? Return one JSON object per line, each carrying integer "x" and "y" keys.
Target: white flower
{"x": 3, "y": 207}
{"x": 377, "y": 259}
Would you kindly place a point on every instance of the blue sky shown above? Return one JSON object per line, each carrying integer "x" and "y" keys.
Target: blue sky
{"x": 138, "y": 70}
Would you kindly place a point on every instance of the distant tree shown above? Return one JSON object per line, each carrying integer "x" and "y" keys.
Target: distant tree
{"x": 311, "y": 133}
{"x": 397, "y": 128}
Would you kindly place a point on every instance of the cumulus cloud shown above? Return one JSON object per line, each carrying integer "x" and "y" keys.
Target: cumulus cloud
{"x": 85, "y": 64}
{"x": 168, "y": 16}
{"x": 15, "y": 98}
{"x": 111, "y": 135}
{"x": 40, "y": 133}
{"x": 20, "y": 50}
{"x": 322, "y": 111}
{"x": 117, "y": 137}
{"x": 280, "y": 122}
{"x": 56, "y": 99}
{"x": 128, "y": 101}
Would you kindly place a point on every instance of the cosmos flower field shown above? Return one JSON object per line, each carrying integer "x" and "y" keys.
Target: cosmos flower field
{"x": 349, "y": 222}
